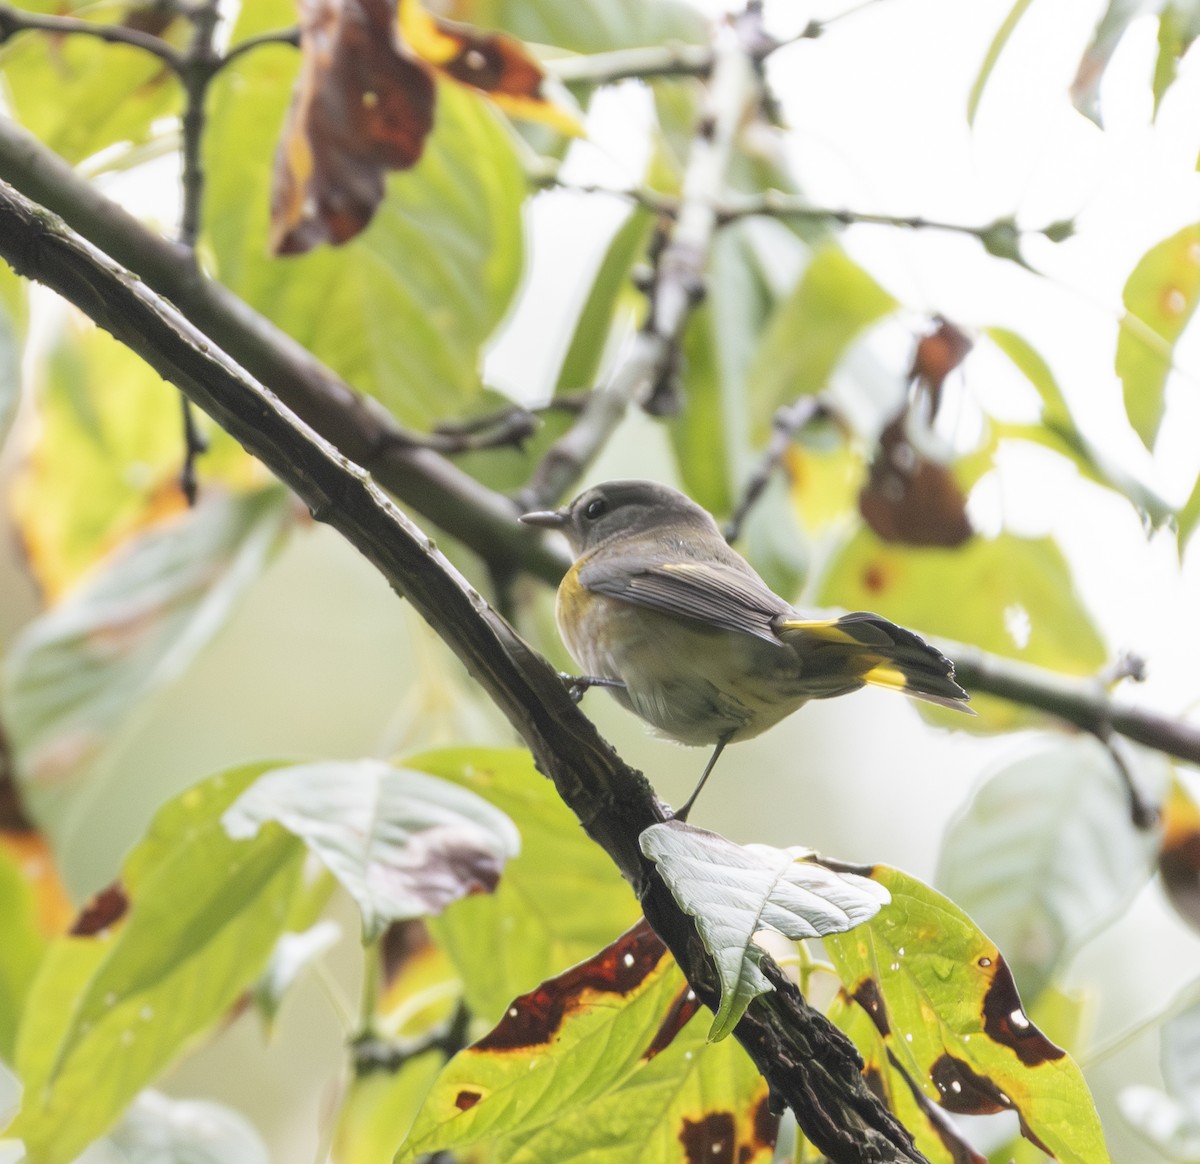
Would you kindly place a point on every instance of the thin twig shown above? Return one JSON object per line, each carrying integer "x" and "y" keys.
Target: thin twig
{"x": 283, "y": 36}
{"x": 786, "y": 424}
{"x": 371, "y": 1053}
{"x": 14, "y": 21}
{"x": 672, "y": 60}
{"x": 646, "y": 376}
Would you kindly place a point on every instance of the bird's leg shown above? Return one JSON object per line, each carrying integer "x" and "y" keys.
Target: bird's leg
{"x": 682, "y": 814}
{"x": 577, "y": 685}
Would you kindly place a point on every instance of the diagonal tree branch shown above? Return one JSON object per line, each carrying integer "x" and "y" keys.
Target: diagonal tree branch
{"x": 807, "y": 1062}
{"x": 361, "y": 430}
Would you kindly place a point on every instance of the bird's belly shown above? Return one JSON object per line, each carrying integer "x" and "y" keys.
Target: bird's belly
{"x": 693, "y": 684}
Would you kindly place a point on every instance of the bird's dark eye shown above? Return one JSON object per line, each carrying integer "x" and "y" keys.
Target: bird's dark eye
{"x": 596, "y": 508}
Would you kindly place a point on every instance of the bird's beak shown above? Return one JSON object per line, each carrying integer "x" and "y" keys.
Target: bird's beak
{"x": 546, "y": 518}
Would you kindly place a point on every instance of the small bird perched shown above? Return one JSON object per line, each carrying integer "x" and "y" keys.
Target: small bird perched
{"x": 682, "y": 629}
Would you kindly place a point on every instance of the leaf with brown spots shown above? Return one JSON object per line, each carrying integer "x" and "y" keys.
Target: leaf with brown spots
{"x": 862, "y": 1017}
{"x": 955, "y": 1024}
{"x": 601, "y": 1056}
{"x": 1179, "y": 858}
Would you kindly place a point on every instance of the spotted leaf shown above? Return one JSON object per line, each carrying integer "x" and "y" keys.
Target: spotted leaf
{"x": 943, "y": 1000}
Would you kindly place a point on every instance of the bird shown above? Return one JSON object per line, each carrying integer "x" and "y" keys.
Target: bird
{"x": 683, "y": 631}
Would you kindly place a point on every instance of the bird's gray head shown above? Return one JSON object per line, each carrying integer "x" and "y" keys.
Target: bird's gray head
{"x": 620, "y": 509}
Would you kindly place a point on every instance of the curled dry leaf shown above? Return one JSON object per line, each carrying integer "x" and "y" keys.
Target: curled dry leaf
{"x": 364, "y": 104}
{"x": 909, "y": 497}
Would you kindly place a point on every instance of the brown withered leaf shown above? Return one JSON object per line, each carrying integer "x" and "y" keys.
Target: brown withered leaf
{"x": 1179, "y": 859}
{"x": 909, "y": 497}
{"x": 363, "y": 105}
{"x": 491, "y": 62}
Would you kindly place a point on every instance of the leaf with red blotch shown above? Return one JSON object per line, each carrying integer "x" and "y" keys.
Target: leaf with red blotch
{"x": 363, "y": 105}
{"x": 602, "y": 1056}
{"x": 1179, "y": 858}
{"x": 909, "y": 496}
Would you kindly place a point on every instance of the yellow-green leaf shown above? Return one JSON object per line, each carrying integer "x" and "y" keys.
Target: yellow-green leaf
{"x": 941, "y": 996}
{"x": 1160, "y": 298}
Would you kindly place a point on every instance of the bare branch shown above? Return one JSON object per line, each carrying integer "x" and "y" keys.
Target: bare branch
{"x": 807, "y": 1063}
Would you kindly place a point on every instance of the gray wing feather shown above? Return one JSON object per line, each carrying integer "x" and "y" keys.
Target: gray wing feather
{"x": 716, "y": 594}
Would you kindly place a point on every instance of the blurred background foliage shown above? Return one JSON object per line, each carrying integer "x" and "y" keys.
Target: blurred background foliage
{"x": 950, "y": 474}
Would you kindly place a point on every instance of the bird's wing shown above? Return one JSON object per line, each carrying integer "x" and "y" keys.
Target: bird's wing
{"x": 714, "y": 594}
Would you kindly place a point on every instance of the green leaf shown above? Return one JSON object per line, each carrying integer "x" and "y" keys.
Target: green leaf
{"x": 106, "y": 1013}
{"x": 601, "y": 1062}
{"x": 425, "y": 285}
{"x": 403, "y": 844}
{"x": 1012, "y": 596}
{"x": 588, "y": 26}
{"x": 807, "y": 336}
{"x": 1187, "y": 518}
{"x": 581, "y": 364}
{"x": 941, "y": 996}
{"x": 992, "y": 56}
{"x": 1160, "y": 298}
{"x": 1044, "y": 855}
{"x": 103, "y": 93}
{"x": 1058, "y": 430}
{"x": 733, "y": 891}
{"x": 20, "y": 951}
{"x": 538, "y": 897}
{"x": 379, "y": 1108}
{"x": 81, "y": 671}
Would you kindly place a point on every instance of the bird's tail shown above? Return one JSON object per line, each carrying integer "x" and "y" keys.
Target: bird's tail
{"x": 842, "y": 654}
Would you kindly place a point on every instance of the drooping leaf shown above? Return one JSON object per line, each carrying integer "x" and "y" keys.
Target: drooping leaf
{"x": 807, "y": 336}
{"x": 107, "y": 460}
{"x": 590, "y": 26}
{"x": 992, "y": 56}
{"x": 733, "y": 891}
{"x": 601, "y": 1059}
{"x": 157, "y": 1129}
{"x": 1178, "y": 28}
{"x": 1011, "y": 595}
{"x": 428, "y": 281}
{"x": 1044, "y": 855}
{"x": 1058, "y": 430}
{"x": 103, "y": 93}
{"x": 1160, "y": 298}
{"x": 402, "y": 843}
{"x": 1179, "y": 859}
{"x": 943, "y": 999}
{"x": 107, "y": 1012}
{"x": 77, "y": 673}
{"x": 538, "y": 897}
{"x": 362, "y": 106}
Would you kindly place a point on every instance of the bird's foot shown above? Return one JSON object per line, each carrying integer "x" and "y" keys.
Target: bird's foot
{"x": 578, "y": 685}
